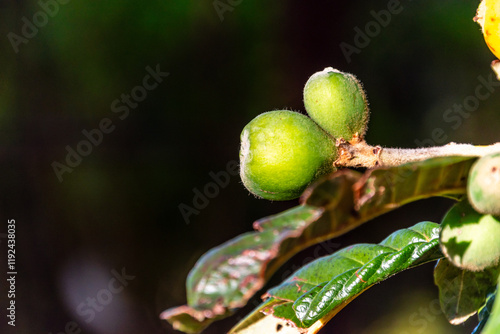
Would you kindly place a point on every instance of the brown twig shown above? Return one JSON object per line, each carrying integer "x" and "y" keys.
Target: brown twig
{"x": 357, "y": 153}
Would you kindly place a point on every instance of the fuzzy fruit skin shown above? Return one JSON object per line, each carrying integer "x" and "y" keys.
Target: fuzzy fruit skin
{"x": 469, "y": 239}
{"x": 337, "y": 102}
{"x": 282, "y": 152}
{"x": 483, "y": 185}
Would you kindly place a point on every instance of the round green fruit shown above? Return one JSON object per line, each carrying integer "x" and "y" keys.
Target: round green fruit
{"x": 282, "y": 152}
{"x": 337, "y": 102}
{"x": 483, "y": 186}
{"x": 469, "y": 239}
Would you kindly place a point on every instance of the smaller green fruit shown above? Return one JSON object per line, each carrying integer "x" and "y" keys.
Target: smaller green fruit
{"x": 483, "y": 186}
{"x": 282, "y": 152}
{"x": 469, "y": 239}
{"x": 337, "y": 102}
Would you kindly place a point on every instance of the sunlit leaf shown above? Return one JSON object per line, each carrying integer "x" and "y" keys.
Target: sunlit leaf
{"x": 314, "y": 294}
{"x": 227, "y": 276}
{"x": 259, "y": 323}
{"x": 493, "y": 323}
{"x": 484, "y": 313}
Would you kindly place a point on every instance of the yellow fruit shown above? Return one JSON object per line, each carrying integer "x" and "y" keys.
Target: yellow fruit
{"x": 488, "y": 17}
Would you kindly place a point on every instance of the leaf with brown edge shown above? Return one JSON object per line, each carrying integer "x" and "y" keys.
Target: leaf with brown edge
{"x": 227, "y": 276}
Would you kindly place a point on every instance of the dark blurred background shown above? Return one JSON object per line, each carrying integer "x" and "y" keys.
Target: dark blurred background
{"x": 117, "y": 211}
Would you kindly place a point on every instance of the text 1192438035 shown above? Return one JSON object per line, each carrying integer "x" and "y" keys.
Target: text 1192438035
{"x": 11, "y": 271}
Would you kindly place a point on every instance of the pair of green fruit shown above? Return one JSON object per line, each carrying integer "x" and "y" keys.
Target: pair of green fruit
{"x": 470, "y": 234}
{"x": 283, "y": 151}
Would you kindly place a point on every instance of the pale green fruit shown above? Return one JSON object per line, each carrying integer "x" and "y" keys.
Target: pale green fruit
{"x": 469, "y": 239}
{"x": 483, "y": 186}
{"x": 282, "y": 152}
{"x": 337, "y": 102}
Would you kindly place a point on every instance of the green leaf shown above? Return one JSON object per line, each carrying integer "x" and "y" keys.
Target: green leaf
{"x": 259, "y": 323}
{"x": 493, "y": 323}
{"x": 462, "y": 292}
{"x": 227, "y": 276}
{"x": 484, "y": 313}
{"x": 315, "y": 293}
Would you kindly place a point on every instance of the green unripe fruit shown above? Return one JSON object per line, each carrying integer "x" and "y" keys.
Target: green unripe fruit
{"x": 337, "y": 102}
{"x": 469, "y": 239}
{"x": 483, "y": 186}
{"x": 282, "y": 152}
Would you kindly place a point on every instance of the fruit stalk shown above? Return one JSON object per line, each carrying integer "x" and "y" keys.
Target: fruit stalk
{"x": 358, "y": 153}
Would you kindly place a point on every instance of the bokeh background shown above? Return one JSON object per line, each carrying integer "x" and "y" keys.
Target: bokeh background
{"x": 119, "y": 208}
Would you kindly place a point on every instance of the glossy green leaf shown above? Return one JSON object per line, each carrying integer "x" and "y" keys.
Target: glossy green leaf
{"x": 227, "y": 276}
{"x": 493, "y": 323}
{"x": 315, "y": 293}
{"x": 462, "y": 292}
{"x": 484, "y": 313}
